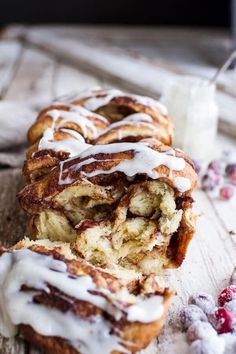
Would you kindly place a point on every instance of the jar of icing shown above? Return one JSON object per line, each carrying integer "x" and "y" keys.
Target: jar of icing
{"x": 191, "y": 103}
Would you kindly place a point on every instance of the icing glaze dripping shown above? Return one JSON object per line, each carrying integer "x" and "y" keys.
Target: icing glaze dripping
{"x": 93, "y": 103}
{"x": 136, "y": 119}
{"x": 182, "y": 184}
{"x": 101, "y": 97}
{"x": 37, "y": 271}
{"x": 144, "y": 161}
{"x": 74, "y": 115}
{"x": 73, "y": 145}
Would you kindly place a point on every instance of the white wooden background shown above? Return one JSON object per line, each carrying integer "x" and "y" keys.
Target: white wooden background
{"x": 38, "y": 64}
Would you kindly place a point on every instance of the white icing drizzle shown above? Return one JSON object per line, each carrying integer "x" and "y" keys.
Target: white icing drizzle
{"x": 144, "y": 161}
{"x": 76, "y": 143}
{"x": 148, "y": 101}
{"x": 153, "y": 306}
{"x": 75, "y": 115}
{"x": 102, "y": 97}
{"x": 182, "y": 184}
{"x": 93, "y": 103}
{"x": 25, "y": 267}
{"x": 81, "y": 110}
{"x": 73, "y": 145}
{"x": 136, "y": 119}
{"x": 74, "y": 133}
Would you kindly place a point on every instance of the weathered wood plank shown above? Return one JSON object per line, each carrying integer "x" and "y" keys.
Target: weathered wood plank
{"x": 113, "y": 66}
{"x": 33, "y": 80}
{"x": 120, "y": 68}
{"x": 13, "y": 346}
{"x": 68, "y": 80}
{"x": 12, "y": 218}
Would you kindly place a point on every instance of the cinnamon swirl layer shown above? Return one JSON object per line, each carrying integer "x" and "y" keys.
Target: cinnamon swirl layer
{"x": 122, "y": 205}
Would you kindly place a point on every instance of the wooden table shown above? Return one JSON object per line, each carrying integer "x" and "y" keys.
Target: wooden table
{"x": 38, "y": 64}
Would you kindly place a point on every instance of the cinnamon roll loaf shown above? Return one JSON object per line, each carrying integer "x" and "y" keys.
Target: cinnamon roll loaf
{"x": 110, "y": 206}
{"x": 65, "y": 305}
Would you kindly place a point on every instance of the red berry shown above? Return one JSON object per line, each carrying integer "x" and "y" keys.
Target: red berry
{"x": 218, "y": 180}
{"x": 227, "y": 294}
{"x": 191, "y": 313}
{"x": 204, "y": 301}
{"x": 230, "y": 169}
{"x": 200, "y": 330}
{"x": 226, "y": 192}
{"x": 231, "y": 307}
{"x": 221, "y": 320}
{"x": 215, "y": 165}
{"x": 232, "y": 177}
{"x": 210, "y": 180}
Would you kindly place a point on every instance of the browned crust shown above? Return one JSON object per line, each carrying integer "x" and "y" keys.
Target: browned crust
{"x": 134, "y": 133}
{"x": 120, "y": 106}
{"x": 44, "y": 121}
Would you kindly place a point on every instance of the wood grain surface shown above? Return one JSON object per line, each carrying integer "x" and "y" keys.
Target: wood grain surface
{"x": 127, "y": 60}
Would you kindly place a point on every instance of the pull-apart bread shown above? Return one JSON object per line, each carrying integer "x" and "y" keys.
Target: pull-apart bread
{"x": 110, "y": 207}
{"x": 66, "y": 306}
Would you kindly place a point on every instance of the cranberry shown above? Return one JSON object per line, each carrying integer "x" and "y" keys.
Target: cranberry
{"x": 208, "y": 346}
{"x": 204, "y": 301}
{"x": 191, "y": 313}
{"x": 222, "y": 320}
{"x": 197, "y": 166}
{"x": 215, "y": 165}
{"x": 230, "y": 169}
{"x": 227, "y": 294}
{"x": 200, "y": 330}
{"x": 233, "y": 278}
{"x": 226, "y": 192}
{"x": 232, "y": 177}
{"x": 218, "y": 180}
{"x": 210, "y": 180}
{"x": 231, "y": 306}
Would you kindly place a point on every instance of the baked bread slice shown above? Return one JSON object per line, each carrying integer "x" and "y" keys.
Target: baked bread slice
{"x": 65, "y": 305}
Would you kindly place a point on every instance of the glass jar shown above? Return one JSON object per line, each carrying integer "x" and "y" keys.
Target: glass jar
{"x": 191, "y": 103}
